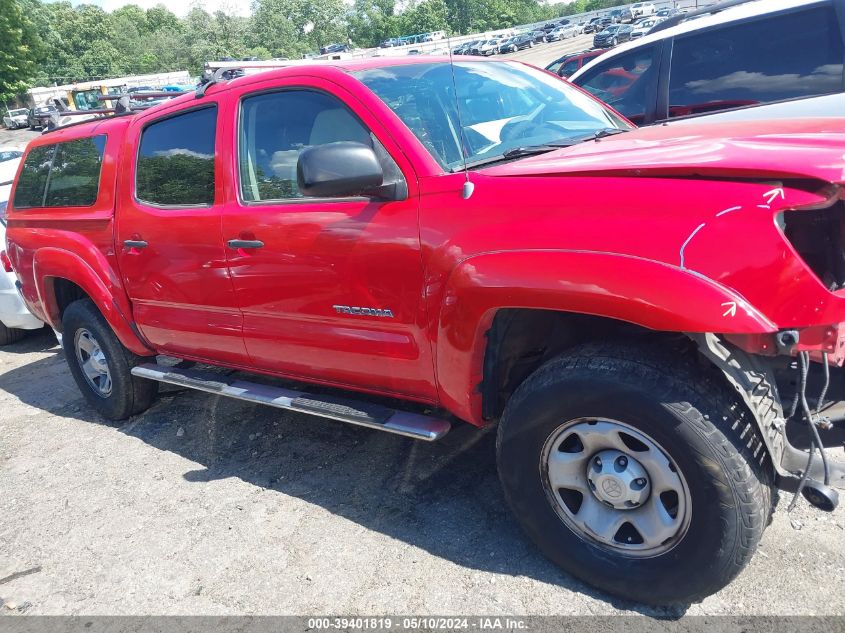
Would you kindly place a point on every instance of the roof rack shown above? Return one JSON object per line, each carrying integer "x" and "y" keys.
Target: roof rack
{"x": 675, "y": 20}
{"x": 125, "y": 104}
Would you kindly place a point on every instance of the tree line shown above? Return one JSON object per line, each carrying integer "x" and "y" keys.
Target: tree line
{"x": 42, "y": 43}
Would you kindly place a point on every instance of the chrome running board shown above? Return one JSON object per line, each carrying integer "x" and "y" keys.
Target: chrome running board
{"x": 373, "y": 416}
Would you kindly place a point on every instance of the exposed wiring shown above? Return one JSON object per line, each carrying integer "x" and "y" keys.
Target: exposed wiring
{"x": 820, "y": 403}
{"x": 815, "y": 440}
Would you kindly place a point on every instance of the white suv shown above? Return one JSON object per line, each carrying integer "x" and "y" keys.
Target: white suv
{"x": 642, "y": 9}
{"x": 15, "y": 319}
{"x": 736, "y": 55}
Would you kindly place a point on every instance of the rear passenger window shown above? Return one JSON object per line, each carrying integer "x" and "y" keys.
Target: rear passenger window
{"x": 75, "y": 175}
{"x": 176, "y": 160}
{"x": 784, "y": 56}
{"x": 61, "y": 175}
{"x": 625, "y": 82}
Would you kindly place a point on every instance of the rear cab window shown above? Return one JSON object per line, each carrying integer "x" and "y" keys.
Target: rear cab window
{"x": 786, "y": 55}
{"x": 64, "y": 174}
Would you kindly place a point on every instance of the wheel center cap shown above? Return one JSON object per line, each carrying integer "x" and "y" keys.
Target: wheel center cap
{"x": 618, "y": 480}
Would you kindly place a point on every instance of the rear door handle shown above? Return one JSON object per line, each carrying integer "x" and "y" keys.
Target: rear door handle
{"x": 134, "y": 243}
{"x": 245, "y": 243}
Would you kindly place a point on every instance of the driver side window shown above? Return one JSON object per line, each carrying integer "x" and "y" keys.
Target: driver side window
{"x": 627, "y": 82}
{"x": 275, "y": 128}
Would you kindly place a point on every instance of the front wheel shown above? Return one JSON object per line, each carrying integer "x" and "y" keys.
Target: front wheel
{"x": 101, "y": 365}
{"x": 635, "y": 473}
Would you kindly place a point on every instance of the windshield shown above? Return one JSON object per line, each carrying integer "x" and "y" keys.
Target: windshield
{"x": 17, "y": 112}
{"x": 503, "y": 106}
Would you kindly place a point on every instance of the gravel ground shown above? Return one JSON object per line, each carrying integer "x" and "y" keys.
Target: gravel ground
{"x": 205, "y": 505}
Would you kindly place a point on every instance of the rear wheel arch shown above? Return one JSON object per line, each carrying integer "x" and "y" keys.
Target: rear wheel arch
{"x": 58, "y": 292}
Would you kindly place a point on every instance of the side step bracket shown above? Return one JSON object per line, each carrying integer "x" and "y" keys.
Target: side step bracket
{"x": 373, "y": 416}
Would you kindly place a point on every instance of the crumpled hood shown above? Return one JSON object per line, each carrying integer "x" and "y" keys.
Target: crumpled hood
{"x": 808, "y": 148}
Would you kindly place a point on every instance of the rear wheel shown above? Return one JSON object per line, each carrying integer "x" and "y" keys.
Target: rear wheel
{"x": 101, "y": 365}
{"x": 9, "y": 335}
{"x": 630, "y": 471}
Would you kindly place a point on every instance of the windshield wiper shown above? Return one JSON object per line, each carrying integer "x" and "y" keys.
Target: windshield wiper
{"x": 602, "y": 133}
{"x": 515, "y": 152}
{"x": 531, "y": 150}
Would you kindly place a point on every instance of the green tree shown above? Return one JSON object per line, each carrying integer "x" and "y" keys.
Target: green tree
{"x": 19, "y": 50}
{"x": 424, "y": 17}
{"x": 291, "y": 28}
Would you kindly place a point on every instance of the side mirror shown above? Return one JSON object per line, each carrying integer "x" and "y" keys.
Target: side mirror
{"x": 338, "y": 170}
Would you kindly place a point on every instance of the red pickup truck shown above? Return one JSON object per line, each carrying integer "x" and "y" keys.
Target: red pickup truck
{"x": 482, "y": 241}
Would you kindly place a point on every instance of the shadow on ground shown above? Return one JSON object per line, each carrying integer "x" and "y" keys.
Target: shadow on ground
{"x": 443, "y": 497}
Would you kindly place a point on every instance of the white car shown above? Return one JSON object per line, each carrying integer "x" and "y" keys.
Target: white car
{"x": 642, "y": 27}
{"x": 563, "y": 32}
{"x": 15, "y": 319}
{"x": 13, "y": 119}
{"x": 489, "y": 47}
{"x": 640, "y": 9}
{"x": 9, "y": 161}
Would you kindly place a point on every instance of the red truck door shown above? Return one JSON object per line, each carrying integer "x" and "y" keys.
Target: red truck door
{"x": 169, "y": 240}
{"x": 332, "y": 289}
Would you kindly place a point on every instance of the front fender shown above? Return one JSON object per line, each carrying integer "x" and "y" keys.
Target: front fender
{"x": 651, "y": 294}
{"x": 50, "y": 264}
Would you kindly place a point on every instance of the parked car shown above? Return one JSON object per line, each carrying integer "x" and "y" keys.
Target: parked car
{"x": 749, "y": 54}
{"x": 612, "y": 36}
{"x": 39, "y": 117}
{"x": 506, "y": 46}
{"x": 9, "y": 161}
{"x": 643, "y": 27}
{"x": 640, "y": 9}
{"x": 567, "y": 65}
{"x": 621, "y": 16}
{"x": 611, "y": 298}
{"x": 15, "y": 318}
{"x": 562, "y": 32}
{"x": 826, "y": 106}
{"x": 667, "y": 13}
{"x": 623, "y": 350}
{"x": 592, "y": 25}
{"x": 520, "y": 42}
{"x": 539, "y": 36}
{"x": 334, "y": 48}
{"x": 488, "y": 47}
{"x": 17, "y": 118}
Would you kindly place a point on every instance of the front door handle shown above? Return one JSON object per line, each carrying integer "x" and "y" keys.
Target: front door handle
{"x": 134, "y": 243}
{"x": 245, "y": 244}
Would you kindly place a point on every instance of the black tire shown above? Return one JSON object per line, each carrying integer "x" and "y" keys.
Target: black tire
{"x": 9, "y": 335}
{"x": 615, "y": 42}
{"x": 129, "y": 395}
{"x": 697, "y": 420}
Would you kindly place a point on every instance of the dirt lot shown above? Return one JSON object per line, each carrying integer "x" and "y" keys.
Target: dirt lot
{"x": 209, "y": 506}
